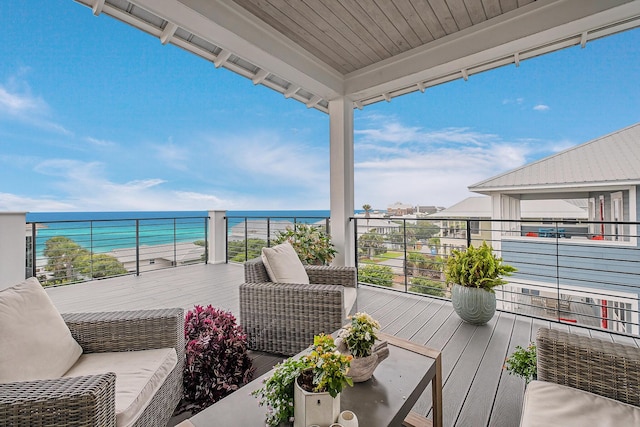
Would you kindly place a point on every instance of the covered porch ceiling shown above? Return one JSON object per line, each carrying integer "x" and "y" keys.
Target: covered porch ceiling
{"x": 367, "y": 51}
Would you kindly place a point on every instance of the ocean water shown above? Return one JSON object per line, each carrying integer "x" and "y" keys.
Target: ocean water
{"x": 103, "y": 232}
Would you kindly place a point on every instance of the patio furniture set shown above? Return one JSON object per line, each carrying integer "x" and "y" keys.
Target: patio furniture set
{"x": 125, "y": 368}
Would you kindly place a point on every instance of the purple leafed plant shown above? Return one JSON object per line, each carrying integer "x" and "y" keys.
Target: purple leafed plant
{"x": 217, "y": 362}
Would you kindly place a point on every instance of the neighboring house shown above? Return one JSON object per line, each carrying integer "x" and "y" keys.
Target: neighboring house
{"x": 593, "y": 263}
{"x": 477, "y": 211}
{"x": 153, "y": 257}
{"x": 258, "y": 229}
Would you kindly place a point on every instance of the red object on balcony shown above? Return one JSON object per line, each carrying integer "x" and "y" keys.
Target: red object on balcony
{"x": 597, "y": 238}
{"x": 531, "y": 234}
{"x": 605, "y": 314}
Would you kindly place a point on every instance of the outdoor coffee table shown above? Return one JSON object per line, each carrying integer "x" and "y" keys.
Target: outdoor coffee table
{"x": 384, "y": 400}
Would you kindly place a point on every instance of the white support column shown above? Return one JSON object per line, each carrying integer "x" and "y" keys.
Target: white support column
{"x": 342, "y": 193}
{"x": 504, "y": 207}
{"x": 217, "y": 237}
{"x": 13, "y": 248}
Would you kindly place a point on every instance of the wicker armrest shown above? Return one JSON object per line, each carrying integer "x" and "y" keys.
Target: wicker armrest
{"x": 283, "y": 317}
{"x": 128, "y": 330}
{"x": 77, "y": 401}
{"x": 329, "y": 275}
{"x": 590, "y": 364}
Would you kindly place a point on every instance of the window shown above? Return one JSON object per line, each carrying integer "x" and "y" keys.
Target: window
{"x": 474, "y": 225}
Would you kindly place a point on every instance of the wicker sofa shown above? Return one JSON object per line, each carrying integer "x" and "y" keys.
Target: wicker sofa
{"x": 282, "y": 318}
{"x": 90, "y": 400}
{"x": 583, "y": 381}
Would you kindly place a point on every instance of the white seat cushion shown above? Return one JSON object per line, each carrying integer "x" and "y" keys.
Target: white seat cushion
{"x": 283, "y": 265}
{"x": 350, "y": 295}
{"x": 35, "y": 342}
{"x": 139, "y": 375}
{"x": 549, "y": 404}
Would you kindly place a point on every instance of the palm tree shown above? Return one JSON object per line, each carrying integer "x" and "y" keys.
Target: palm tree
{"x": 367, "y": 215}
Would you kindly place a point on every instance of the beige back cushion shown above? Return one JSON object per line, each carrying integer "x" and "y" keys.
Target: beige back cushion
{"x": 35, "y": 342}
{"x": 283, "y": 265}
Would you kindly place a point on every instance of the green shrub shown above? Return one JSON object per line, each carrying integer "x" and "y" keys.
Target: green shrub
{"x": 312, "y": 244}
{"x": 380, "y": 275}
{"x": 424, "y": 285}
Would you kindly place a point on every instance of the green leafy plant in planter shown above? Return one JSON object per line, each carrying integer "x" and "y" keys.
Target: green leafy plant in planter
{"x": 322, "y": 370}
{"x": 361, "y": 334}
{"x": 523, "y": 363}
{"x": 216, "y": 358}
{"x": 312, "y": 244}
{"x": 474, "y": 273}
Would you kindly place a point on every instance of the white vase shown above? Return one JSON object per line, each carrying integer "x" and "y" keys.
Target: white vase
{"x": 348, "y": 419}
{"x": 314, "y": 408}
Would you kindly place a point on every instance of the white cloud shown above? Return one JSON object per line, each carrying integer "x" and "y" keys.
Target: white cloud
{"x": 541, "y": 107}
{"x": 18, "y": 103}
{"x": 432, "y": 166}
{"x": 99, "y": 142}
{"x": 11, "y": 202}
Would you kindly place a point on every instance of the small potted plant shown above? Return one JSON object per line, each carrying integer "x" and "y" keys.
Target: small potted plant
{"x": 312, "y": 244}
{"x": 523, "y": 363}
{"x": 358, "y": 339}
{"x": 474, "y": 273}
{"x": 319, "y": 376}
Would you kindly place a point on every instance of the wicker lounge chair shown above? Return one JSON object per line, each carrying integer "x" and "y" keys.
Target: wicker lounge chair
{"x": 570, "y": 365}
{"x": 282, "y": 318}
{"x": 90, "y": 400}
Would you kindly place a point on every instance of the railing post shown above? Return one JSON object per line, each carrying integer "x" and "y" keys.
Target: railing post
{"x": 404, "y": 232}
{"x": 268, "y": 232}
{"x": 91, "y": 249}
{"x": 219, "y": 238}
{"x": 137, "y": 247}
{"x": 355, "y": 239}
{"x": 206, "y": 241}
{"x": 34, "y": 255}
{"x": 468, "y": 232}
{"x": 246, "y": 241}
{"x": 175, "y": 248}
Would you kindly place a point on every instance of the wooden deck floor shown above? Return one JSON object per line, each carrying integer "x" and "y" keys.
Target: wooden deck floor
{"x": 476, "y": 390}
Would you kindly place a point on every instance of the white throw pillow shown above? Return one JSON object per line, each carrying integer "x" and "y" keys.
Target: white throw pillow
{"x": 283, "y": 265}
{"x": 35, "y": 342}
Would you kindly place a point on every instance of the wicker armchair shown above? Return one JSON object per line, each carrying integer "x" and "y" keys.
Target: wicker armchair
{"x": 590, "y": 364}
{"x": 90, "y": 400}
{"x": 282, "y": 318}
{"x": 582, "y": 381}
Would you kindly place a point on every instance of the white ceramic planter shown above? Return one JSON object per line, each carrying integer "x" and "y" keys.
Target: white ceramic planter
{"x": 348, "y": 419}
{"x": 473, "y": 305}
{"x": 314, "y": 408}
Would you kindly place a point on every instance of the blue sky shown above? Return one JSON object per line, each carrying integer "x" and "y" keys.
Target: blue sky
{"x": 98, "y": 116}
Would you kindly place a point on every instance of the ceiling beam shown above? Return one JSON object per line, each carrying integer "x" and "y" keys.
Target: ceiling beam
{"x": 538, "y": 24}
{"x": 232, "y": 28}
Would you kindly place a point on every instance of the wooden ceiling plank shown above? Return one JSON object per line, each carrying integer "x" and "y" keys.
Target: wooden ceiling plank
{"x": 459, "y": 13}
{"x": 350, "y": 28}
{"x": 407, "y": 9}
{"x": 425, "y": 12}
{"x": 399, "y": 22}
{"x": 380, "y": 18}
{"x": 441, "y": 9}
{"x": 276, "y": 19}
{"x": 476, "y": 11}
{"x": 508, "y": 5}
{"x": 492, "y": 8}
{"x": 355, "y": 10}
{"x": 297, "y": 23}
{"x": 325, "y": 24}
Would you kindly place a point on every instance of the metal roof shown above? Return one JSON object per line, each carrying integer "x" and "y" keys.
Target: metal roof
{"x": 368, "y": 51}
{"x": 480, "y": 207}
{"x": 611, "y": 159}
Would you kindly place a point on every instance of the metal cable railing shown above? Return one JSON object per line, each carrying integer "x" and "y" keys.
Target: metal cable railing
{"x": 247, "y": 235}
{"x": 64, "y": 252}
{"x": 575, "y": 272}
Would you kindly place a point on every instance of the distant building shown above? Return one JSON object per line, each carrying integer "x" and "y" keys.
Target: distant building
{"x": 258, "y": 229}
{"x": 158, "y": 256}
{"x": 400, "y": 209}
